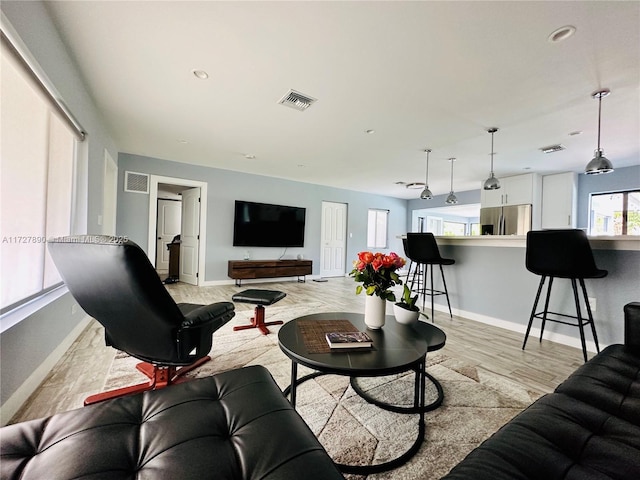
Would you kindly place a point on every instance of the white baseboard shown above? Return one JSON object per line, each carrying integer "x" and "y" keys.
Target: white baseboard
{"x": 22, "y": 394}
{"x": 560, "y": 338}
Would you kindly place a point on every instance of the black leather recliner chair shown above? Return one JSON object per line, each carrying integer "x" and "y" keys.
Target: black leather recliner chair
{"x": 114, "y": 282}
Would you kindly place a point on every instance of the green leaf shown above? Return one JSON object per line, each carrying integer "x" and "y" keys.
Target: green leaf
{"x": 358, "y": 289}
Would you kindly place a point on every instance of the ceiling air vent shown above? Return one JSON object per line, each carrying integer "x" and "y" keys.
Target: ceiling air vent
{"x": 136, "y": 182}
{"x": 553, "y": 148}
{"x": 297, "y": 100}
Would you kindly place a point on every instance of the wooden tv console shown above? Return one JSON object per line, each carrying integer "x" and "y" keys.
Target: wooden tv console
{"x": 248, "y": 269}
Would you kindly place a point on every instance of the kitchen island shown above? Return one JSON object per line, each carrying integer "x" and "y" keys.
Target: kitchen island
{"x": 490, "y": 283}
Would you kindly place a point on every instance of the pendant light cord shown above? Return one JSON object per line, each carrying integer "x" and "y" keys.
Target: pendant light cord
{"x": 426, "y": 180}
{"x": 452, "y": 174}
{"x": 492, "y": 152}
{"x": 599, "y": 116}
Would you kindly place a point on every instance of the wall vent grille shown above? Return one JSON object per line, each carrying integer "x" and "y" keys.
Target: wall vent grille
{"x": 297, "y": 100}
{"x": 136, "y": 182}
{"x": 553, "y": 148}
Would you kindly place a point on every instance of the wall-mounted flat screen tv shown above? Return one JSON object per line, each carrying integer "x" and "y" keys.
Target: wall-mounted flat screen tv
{"x": 266, "y": 225}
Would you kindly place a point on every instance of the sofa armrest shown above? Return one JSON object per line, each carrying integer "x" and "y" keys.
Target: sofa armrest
{"x": 632, "y": 325}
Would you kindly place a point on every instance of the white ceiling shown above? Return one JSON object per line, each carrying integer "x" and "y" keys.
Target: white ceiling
{"x": 421, "y": 74}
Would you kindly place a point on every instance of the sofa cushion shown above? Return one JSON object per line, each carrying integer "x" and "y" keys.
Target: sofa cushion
{"x": 235, "y": 425}
{"x": 609, "y": 382}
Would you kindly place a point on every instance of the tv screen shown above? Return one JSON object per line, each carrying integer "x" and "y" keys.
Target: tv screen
{"x": 266, "y": 225}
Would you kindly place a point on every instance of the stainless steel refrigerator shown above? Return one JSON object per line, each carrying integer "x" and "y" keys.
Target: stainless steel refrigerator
{"x": 509, "y": 220}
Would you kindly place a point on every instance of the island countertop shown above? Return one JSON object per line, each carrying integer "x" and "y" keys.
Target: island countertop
{"x": 617, "y": 242}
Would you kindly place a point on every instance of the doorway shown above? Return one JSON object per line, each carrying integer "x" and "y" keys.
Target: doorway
{"x": 193, "y": 214}
{"x": 168, "y": 223}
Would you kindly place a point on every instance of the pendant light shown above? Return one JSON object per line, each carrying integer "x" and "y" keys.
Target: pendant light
{"x": 599, "y": 164}
{"x": 451, "y": 198}
{"x": 426, "y": 193}
{"x": 492, "y": 183}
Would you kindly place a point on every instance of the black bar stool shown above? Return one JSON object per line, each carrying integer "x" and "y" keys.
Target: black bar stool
{"x": 411, "y": 265}
{"x": 422, "y": 249}
{"x": 562, "y": 254}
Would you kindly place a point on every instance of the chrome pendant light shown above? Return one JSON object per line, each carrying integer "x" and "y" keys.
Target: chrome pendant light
{"x": 451, "y": 198}
{"x": 492, "y": 183}
{"x": 599, "y": 164}
{"x": 426, "y": 193}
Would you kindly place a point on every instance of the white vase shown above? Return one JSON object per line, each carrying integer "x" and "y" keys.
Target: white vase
{"x": 374, "y": 311}
{"x": 404, "y": 316}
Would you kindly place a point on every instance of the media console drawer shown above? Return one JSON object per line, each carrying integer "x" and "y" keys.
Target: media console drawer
{"x": 248, "y": 269}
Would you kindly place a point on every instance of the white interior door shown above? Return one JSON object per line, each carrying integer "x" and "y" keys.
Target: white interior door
{"x": 169, "y": 223}
{"x": 190, "y": 236}
{"x": 334, "y": 239}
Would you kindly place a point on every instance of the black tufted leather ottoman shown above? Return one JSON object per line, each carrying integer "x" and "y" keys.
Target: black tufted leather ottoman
{"x": 260, "y": 298}
{"x": 210, "y": 428}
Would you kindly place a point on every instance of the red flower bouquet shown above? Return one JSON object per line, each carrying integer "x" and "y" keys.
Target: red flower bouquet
{"x": 377, "y": 272}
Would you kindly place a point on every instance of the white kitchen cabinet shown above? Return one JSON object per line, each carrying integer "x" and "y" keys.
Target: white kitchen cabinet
{"x": 517, "y": 190}
{"x": 559, "y": 200}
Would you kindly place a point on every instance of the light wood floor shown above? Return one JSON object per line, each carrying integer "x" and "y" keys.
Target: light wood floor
{"x": 540, "y": 368}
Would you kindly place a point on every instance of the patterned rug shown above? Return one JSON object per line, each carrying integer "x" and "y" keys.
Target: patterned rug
{"x": 476, "y": 402}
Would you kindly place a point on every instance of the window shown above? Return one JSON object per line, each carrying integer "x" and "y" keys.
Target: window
{"x": 615, "y": 213}
{"x": 37, "y": 184}
{"x": 454, "y": 229}
{"x": 377, "y": 228}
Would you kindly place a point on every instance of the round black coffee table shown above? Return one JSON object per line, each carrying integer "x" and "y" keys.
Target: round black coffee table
{"x": 396, "y": 348}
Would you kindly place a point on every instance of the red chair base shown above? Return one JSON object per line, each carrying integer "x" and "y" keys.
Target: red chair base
{"x": 257, "y": 321}
{"x": 159, "y": 377}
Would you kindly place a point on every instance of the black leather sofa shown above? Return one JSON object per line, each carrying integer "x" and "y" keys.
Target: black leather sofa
{"x": 235, "y": 425}
{"x": 589, "y": 428}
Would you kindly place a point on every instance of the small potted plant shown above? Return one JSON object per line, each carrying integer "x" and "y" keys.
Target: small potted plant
{"x": 405, "y": 310}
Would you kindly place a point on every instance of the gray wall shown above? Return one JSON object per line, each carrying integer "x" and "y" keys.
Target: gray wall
{"x": 224, "y": 187}
{"x": 27, "y": 344}
{"x": 493, "y": 281}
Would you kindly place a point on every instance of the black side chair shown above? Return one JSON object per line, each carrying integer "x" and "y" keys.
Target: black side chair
{"x": 114, "y": 282}
{"x": 562, "y": 254}
{"x": 422, "y": 249}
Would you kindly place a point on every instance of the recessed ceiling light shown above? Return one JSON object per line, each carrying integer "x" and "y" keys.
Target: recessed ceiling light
{"x": 182, "y": 141}
{"x": 577, "y": 132}
{"x": 401, "y": 183}
{"x": 249, "y": 156}
{"x": 369, "y": 131}
{"x": 415, "y": 186}
{"x": 201, "y": 74}
{"x": 561, "y": 34}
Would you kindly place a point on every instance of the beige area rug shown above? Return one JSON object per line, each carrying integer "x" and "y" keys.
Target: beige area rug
{"x": 353, "y": 431}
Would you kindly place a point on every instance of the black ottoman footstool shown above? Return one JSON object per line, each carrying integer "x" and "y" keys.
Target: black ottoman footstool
{"x": 261, "y": 298}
